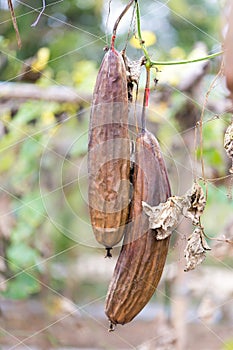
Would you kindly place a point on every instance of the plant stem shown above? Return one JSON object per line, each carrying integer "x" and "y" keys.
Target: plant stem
{"x": 117, "y": 23}
{"x": 172, "y": 63}
{"x": 14, "y": 21}
{"x": 150, "y": 63}
{"x": 121, "y": 15}
{"x": 142, "y": 43}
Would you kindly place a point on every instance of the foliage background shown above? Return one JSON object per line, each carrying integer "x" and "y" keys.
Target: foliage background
{"x": 46, "y": 239}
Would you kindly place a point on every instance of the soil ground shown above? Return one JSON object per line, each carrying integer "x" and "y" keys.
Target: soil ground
{"x": 28, "y": 325}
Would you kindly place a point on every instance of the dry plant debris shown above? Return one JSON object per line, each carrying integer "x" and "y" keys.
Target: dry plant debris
{"x": 195, "y": 249}
{"x": 133, "y": 72}
{"x": 228, "y": 143}
{"x": 133, "y": 68}
{"x": 196, "y": 202}
{"x": 165, "y": 217}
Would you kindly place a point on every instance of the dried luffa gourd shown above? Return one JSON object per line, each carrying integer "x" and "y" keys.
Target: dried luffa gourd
{"x": 142, "y": 257}
{"x": 109, "y": 152}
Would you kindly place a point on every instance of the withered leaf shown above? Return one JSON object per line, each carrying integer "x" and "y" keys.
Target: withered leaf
{"x": 228, "y": 143}
{"x": 133, "y": 68}
{"x": 164, "y": 217}
{"x": 195, "y": 249}
{"x": 195, "y": 203}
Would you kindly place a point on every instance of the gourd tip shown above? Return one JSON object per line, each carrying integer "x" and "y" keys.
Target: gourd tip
{"x": 108, "y": 254}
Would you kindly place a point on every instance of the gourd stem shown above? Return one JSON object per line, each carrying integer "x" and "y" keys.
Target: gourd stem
{"x": 145, "y": 99}
{"x": 120, "y": 17}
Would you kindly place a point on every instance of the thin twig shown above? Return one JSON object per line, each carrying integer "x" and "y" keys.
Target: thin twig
{"x": 107, "y": 20}
{"x": 229, "y": 188}
{"x": 130, "y": 27}
{"x": 217, "y": 178}
{"x": 202, "y": 117}
{"x": 14, "y": 21}
{"x": 26, "y": 91}
{"x": 121, "y": 16}
{"x": 226, "y": 240}
{"x": 40, "y": 14}
{"x": 195, "y": 154}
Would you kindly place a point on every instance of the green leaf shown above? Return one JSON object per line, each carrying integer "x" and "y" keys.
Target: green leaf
{"x": 31, "y": 212}
{"x": 7, "y": 160}
{"x": 218, "y": 207}
{"x": 28, "y": 112}
{"x": 79, "y": 148}
{"x": 22, "y": 286}
{"x": 21, "y": 256}
{"x": 21, "y": 232}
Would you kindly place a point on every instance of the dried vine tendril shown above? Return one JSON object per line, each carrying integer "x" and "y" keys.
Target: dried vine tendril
{"x": 40, "y": 14}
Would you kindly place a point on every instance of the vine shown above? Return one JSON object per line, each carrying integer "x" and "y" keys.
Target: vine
{"x": 150, "y": 63}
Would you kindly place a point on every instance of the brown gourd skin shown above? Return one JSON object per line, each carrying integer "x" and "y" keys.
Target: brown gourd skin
{"x": 142, "y": 257}
{"x": 109, "y": 152}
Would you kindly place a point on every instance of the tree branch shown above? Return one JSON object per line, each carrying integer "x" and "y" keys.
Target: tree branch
{"x": 24, "y": 91}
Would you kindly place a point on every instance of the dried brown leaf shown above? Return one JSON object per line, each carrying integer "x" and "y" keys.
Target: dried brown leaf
{"x": 165, "y": 217}
{"x": 228, "y": 143}
{"x": 196, "y": 201}
{"x": 195, "y": 249}
{"x": 134, "y": 68}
